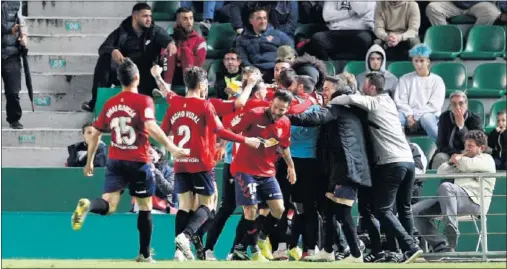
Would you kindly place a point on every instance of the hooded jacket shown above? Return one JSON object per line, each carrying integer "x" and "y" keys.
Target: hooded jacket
{"x": 349, "y": 15}
{"x": 391, "y": 80}
{"x": 11, "y": 15}
{"x": 402, "y": 18}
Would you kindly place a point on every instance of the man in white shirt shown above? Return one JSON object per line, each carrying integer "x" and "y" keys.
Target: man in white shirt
{"x": 420, "y": 95}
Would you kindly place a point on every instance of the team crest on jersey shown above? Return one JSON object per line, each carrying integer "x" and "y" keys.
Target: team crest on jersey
{"x": 279, "y": 131}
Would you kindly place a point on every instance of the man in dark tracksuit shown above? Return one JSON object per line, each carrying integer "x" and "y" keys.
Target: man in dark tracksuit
{"x": 13, "y": 39}
{"x": 137, "y": 38}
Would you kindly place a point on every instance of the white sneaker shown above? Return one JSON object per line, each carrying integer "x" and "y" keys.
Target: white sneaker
{"x": 352, "y": 259}
{"x": 229, "y": 257}
{"x": 281, "y": 255}
{"x": 210, "y": 255}
{"x": 178, "y": 256}
{"x": 183, "y": 244}
{"x": 140, "y": 258}
{"x": 321, "y": 256}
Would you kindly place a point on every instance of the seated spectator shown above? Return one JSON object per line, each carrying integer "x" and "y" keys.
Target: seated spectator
{"x": 502, "y": 18}
{"x": 350, "y": 32}
{"x": 78, "y": 153}
{"x": 459, "y": 198}
{"x": 497, "y": 141}
{"x": 453, "y": 125}
{"x": 485, "y": 11}
{"x": 397, "y": 27}
{"x": 208, "y": 10}
{"x": 376, "y": 62}
{"x": 285, "y": 53}
{"x": 310, "y": 12}
{"x": 191, "y": 48}
{"x": 420, "y": 95}
{"x": 228, "y": 77}
{"x": 137, "y": 38}
{"x": 258, "y": 45}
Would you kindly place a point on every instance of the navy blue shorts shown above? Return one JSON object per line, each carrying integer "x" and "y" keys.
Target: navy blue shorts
{"x": 345, "y": 192}
{"x": 200, "y": 183}
{"x": 137, "y": 176}
{"x": 252, "y": 190}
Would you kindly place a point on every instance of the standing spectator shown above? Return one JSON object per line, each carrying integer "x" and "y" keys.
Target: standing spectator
{"x": 208, "y": 8}
{"x": 421, "y": 162}
{"x": 14, "y": 40}
{"x": 459, "y": 198}
{"x": 137, "y": 38}
{"x": 485, "y": 11}
{"x": 78, "y": 152}
{"x": 258, "y": 46}
{"x": 420, "y": 95}
{"x": 191, "y": 48}
{"x": 497, "y": 141}
{"x": 376, "y": 62}
{"x": 453, "y": 125}
{"x": 228, "y": 77}
{"x": 347, "y": 20}
{"x": 397, "y": 27}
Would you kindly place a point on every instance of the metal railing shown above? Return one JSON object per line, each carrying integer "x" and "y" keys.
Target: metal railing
{"x": 484, "y": 228}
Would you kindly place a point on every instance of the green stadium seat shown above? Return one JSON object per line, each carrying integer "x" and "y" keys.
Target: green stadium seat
{"x": 477, "y": 107}
{"x": 103, "y": 94}
{"x": 330, "y": 69}
{"x": 489, "y": 81}
{"x": 484, "y": 42}
{"x": 170, "y": 28}
{"x": 454, "y": 75}
{"x": 495, "y": 108}
{"x": 462, "y": 19}
{"x": 427, "y": 145}
{"x": 401, "y": 68}
{"x": 355, "y": 67}
{"x": 161, "y": 106}
{"x": 165, "y": 10}
{"x": 445, "y": 41}
{"x": 221, "y": 37}
{"x": 304, "y": 31}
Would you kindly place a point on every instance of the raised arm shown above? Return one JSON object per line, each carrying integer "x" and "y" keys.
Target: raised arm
{"x": 314, "y": 118}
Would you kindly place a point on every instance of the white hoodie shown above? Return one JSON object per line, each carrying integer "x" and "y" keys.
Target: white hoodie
{"x": 349, "y": 15}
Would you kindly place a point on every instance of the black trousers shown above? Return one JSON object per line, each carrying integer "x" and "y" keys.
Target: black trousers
{"x": 351, "y": 44}
{"x": 11, "y": 76}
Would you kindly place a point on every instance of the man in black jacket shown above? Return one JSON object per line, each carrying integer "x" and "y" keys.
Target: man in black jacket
{"x": 78, "y": 152}
{"x": 138, "y": 38}
{"x": 13, "y": 39}
{"x": 342, "y": 150}
{"x": 453, "y": 125}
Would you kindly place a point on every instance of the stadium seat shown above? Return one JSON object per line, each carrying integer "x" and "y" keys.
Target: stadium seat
{"x": 165, "y": 10}
{"x": 427, "y": 145}
{"x": 401, "y": 68}
{"x": 103, "y": 94}
{"x": 454, "y": 75}
{"x": 161, "y": 106}
{"x": 221, "y": 38}
{"x": 330, "y": 69}
{"x": 489, "y": 81}
{"x": 477, "y": 107}
{"x": 445, "y": 41}
{"x": 462, "y": 19}
{"x": 495, "y": 108}
{"x": 355, "y": 67}
{"x": 170, "y": 28}
{"x": 484, "y": 42}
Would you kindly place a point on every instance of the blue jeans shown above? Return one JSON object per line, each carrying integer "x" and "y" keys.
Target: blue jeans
{"x": 429, "y": 123}
{"x": 208, "y": 9}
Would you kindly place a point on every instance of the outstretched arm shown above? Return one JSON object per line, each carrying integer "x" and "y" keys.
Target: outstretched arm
{"x": 314, "y": 118}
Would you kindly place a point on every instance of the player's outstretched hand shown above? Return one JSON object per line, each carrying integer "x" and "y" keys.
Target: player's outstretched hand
{"x": 291, "y": 175}
{"x": 88, "y": 170}
{"x": 179, "y": 153}
{"x": 253, "y": 142}
{"x": 156, "y": 70}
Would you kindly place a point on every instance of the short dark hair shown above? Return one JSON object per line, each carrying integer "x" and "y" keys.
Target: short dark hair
{"x": 307, "y": 82}
{"x": 287, "y": 77}
{"x": 376, "y": 79}
{"x": 478, "y": 136}
{"x": 283, "y": 95}
{"x": 281, "y": 61}
{"x": 501, "y": 112}
{"x": 86, "y": 125}
{"x": 183, "y": 10}
{"x": 126, "y": 72}
{"x": 193, "y": 76}
{"x": 256, "y": 87}
{"x": 140, "y": 6}
{"x": 332, "y": 80}
{"x": 231, "y": 50}
{"x": 257, "y": 9}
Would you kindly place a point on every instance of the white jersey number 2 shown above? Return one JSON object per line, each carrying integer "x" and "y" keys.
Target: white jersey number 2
{"x": 184, "y": 131}
{"x": 124, "y": 133}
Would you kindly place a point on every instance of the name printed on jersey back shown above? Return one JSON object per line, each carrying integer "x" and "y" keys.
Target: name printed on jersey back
{"x": 120, "y": 107}
{"x": 188, "y": 114}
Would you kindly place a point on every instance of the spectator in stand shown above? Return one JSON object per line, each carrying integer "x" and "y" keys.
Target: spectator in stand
{"x": 258, "y": 45}
{"x": 486, "y": 12}
{"x": 78, "y": 153}
{"x": 376, "y": 62}
{"x": 497, "y": 141}
{"x": 137, "y": 38}
{"x": 208, "y": 8}
{"x": 347, "y": 20}
{"x": 310, "y": 12}
{"x": 453, "y": 125}
{"x": 459, "y": 198}
{"x": 191, "y": 49}
{"x": 228, "y": 77}
{"x": 279, "y": 67}
{"x": 502, "y": 18}
{"x": 397, "y": 27}
{"x": 420, "y": 95}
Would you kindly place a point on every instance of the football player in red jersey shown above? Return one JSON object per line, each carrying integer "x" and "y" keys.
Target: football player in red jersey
{"x": 195, "y": 126}
{"x": 130, "y": 118}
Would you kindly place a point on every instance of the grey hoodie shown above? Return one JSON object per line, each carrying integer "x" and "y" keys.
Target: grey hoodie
{"x": 391, "y": 80}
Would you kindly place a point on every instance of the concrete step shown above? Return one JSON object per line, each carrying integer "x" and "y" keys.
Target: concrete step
{"x": 53, "y": 101}
{"x": 62, "y": 62}
{"x": 74, "y": 43}
{"x": 40, "y": 137}
{"x": 59, "y": 83}
{"x": 34, "y": 157}
{"x": 80, "y": 8}
{"x": 51, "y": 119}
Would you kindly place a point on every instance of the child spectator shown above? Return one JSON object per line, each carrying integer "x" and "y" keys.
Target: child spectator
{"x": 497, "y": 141}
